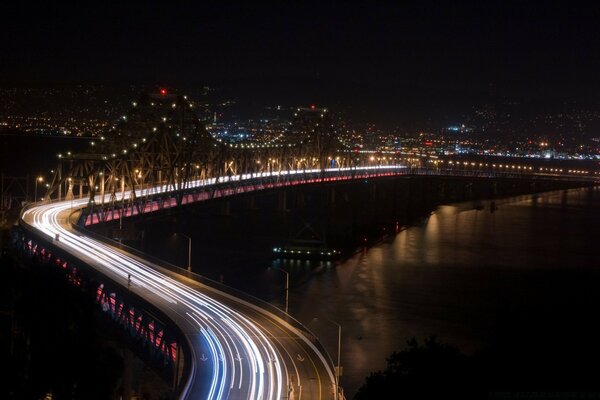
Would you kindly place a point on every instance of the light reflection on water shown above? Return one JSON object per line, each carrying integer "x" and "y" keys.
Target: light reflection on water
{"x": 446, "y": 276}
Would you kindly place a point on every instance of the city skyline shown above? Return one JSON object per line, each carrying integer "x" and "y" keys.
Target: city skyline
{"x": 387, "y": 63}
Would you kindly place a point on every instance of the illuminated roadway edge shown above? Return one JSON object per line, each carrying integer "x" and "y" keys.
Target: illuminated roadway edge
{"x": 239, "y": 350}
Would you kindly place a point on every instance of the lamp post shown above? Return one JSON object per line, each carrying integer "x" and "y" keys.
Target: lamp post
{"x": 287, "y": 287}
{"x": 39, "y": 179}
{"x": 189, "y": 267}
{"x": 70, "y": 190}
{"x": 337, "y": 372}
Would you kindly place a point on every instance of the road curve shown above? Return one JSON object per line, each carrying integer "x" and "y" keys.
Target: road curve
{"x": 239, "y": 350}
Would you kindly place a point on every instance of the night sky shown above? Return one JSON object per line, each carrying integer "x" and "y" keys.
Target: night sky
{"x": 382, "y": 59}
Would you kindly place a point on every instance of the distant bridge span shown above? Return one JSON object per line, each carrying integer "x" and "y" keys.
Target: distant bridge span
{"x": 237, "y": 346}
{"x": 161, "y": 198}
{"x": 157, "y": 157}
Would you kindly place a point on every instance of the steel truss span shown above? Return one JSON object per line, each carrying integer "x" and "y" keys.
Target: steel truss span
{"x": 239, "y": 349}
{"x": 162, "y": 197}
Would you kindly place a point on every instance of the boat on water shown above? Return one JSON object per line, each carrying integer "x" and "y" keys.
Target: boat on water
{"x": 306, "y": 249}
{"x": 307, "y": 245}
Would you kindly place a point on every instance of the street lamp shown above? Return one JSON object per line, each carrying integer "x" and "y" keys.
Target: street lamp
{"x": 70, "y": 189}
{"x": 39, "y": 179}
{"x": 337, "y": 370}
{"x": 189, "y": 267}
{"x": 287, "y": 287}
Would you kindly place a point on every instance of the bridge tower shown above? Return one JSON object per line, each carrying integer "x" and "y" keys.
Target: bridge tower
{"x": 161, "y": 141}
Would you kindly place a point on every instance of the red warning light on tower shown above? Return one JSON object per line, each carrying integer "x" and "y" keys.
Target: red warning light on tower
{"x": 163, "y": 91}
{"x": 312, "y": 106}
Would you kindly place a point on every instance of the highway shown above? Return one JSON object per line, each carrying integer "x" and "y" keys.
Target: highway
{"x": 239, "y": 349}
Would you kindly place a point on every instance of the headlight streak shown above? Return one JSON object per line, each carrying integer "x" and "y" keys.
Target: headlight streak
{"x": 165, "y": 288}
{"x": 215, "y": 362}
{"x": 220, "y": 357}
{"x": 232, "y": 361}
{"x": 271, "y": 356}
{"x": 236, "y": 343}
{"x": 216, "y": 369}
{"x": 250, "y": 354}
{"x": 216, "y": 366}
{"x": 269, "y": 351}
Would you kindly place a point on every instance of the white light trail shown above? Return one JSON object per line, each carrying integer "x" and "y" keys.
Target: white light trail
{"x": 244, "y": 355}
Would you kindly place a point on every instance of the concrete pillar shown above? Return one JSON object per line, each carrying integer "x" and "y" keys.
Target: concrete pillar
{"x": 178, "y": 368}
{"x": 373, "y": 191}
{"x": 282, "y": 200}
{"x": 300, "y": 199}
{"x": 443, "y": 190}
{"x": 226, "y": 207}
{"x": 468, "y": 190}
{"x": 331, "y": 195}
{"x": 250, "y": 202}
{"x": 70, "y": 193}
{"x": 59, "y": 176}
{"x": 102, "y": 189}
{"x": 128, "y": 359}
{"x": 123, "y": 188}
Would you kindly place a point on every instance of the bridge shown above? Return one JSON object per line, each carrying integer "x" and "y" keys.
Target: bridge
{"x": 210, "y": 340}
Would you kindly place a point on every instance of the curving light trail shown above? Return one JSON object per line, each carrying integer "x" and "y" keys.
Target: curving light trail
{"x": 248, "y": 352}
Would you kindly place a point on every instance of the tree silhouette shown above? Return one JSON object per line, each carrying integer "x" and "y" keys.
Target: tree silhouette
{"x": 423, "y": 371}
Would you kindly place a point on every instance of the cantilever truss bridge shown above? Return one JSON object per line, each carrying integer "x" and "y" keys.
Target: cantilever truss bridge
{"x": 161, "y": 141}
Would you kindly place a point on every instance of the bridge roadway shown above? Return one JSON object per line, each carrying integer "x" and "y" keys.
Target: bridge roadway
{"x": 239, "y": 350}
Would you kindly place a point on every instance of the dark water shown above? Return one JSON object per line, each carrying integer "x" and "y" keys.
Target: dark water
{"x": 464, "y": 275}
{"x": 524, "y": 275}
{"x": 527, "y": 272}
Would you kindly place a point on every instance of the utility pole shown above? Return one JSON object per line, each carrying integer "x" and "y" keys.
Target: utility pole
{"x": 189, "y": 266}
{"x": 287, "y": 287}
{"x": 339, "y": 352}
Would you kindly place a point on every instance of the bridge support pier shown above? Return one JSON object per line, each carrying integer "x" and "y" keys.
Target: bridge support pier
{"x": 102, "y": 191}
{"x": 443, "y": 190}
{"x": 300, "y": 199}
{"x": 331, "y": 196}
{"x": 128, "y": 359}
{"x": 70, "y": 191}
{"x": 250, "y": 202}
{"x": 282, "y": 200}
{"x": 468, "y": 190}
{"x": 226, "y": 207}
{"x": 373, "y": 192}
